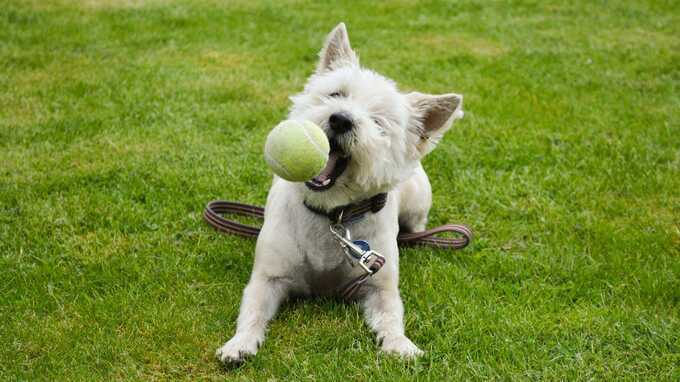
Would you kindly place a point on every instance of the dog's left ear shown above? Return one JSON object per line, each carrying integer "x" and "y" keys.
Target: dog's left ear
{"x": 336, "y": 51}
{"x": 432, "y": 116}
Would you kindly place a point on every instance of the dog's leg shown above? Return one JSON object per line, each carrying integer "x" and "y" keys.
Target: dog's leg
{"x": 384, "y": 314}
{"x": 261, "y": 300}
{"x": 415, "y": 200}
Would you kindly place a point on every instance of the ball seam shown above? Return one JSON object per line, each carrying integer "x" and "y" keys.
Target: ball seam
{"x": 311, "y": 139}
{"x": 278, "y": 164}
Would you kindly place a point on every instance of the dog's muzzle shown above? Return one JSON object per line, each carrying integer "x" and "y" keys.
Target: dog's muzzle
{"x": 336, "y": 165}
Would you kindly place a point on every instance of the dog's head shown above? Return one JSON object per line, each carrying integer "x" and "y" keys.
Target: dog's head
{"x": 378, "y": 135}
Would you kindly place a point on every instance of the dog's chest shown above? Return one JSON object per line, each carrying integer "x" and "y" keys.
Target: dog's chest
{"x": 325, "y": 264}
{"x": 321, "y": 252}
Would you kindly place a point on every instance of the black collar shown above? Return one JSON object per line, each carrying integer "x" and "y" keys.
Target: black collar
{"x": 354, "y": 211}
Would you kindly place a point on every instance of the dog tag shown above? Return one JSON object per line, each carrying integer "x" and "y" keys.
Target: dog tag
{"x": 363, "y": 244}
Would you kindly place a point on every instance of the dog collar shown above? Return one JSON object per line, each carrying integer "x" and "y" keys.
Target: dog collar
{"x": 353, "y": 211}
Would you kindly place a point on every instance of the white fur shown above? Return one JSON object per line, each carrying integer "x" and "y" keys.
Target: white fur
{"x": 295, "y": 253}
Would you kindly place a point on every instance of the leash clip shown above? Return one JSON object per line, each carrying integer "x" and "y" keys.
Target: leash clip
{"x": 357, "y": 250}
{"x": 370, "y": 259}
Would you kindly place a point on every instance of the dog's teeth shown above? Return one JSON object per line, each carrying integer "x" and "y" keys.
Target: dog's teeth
{"x": 326, "y": 182}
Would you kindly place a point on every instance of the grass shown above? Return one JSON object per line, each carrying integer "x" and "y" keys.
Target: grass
{"x": 120, "y": 119}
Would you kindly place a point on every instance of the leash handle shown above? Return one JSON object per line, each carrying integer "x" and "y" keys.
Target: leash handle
{"x": 213, "y": 210}
{"x": 212, "y": 216}
{"x": 428, "y": 237}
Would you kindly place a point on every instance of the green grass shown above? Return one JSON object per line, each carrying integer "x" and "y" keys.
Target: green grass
{"x": 119, "y": 120}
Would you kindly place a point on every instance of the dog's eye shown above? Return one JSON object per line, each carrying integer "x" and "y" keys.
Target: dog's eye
{"x": 380, "y": 123}
{"x": 335, "y": 94}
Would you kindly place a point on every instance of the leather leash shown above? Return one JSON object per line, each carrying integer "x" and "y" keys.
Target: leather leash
{"x": 345, "y": 214}
{"x": 214, "y": 210}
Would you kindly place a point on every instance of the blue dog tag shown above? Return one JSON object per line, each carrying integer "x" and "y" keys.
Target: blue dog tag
{"x": 363, "y": 244}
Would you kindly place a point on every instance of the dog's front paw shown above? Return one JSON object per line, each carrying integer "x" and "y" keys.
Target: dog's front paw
{"x": 401, "y": 346}
{"x": 237, "y": 349}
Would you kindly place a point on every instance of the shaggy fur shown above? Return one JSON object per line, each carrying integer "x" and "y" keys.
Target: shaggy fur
{"x": 295, "y": 252}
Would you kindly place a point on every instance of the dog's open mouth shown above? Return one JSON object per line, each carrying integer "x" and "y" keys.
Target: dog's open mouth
{"x": 337, "y": 163}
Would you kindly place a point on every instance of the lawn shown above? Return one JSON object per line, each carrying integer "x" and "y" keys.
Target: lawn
{"x": 120, "y": 119}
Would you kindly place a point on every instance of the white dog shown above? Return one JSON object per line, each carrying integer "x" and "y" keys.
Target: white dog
{"x": 378, "y": 137}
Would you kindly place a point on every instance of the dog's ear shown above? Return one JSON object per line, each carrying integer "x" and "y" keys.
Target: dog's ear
{"x": 432, "y": 116}
{"x": 336, "y": 51}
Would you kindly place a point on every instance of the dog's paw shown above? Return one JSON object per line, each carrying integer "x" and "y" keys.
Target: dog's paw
{"x": 400, "y": 346}
{"x": 237, "y": 349}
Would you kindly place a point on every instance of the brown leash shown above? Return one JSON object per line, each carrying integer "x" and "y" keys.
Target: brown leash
{"x": 214, "y": 210}
{"x": 346, "y": 214}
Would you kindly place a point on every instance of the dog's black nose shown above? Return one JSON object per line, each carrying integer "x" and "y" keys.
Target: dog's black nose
{"x": 340, "y": 122}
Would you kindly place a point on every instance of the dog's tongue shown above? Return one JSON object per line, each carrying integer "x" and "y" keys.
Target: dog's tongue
{"x": 324, "y": 176}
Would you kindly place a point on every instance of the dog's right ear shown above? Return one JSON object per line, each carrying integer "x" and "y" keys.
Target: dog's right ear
{"x": 337, "y": 51}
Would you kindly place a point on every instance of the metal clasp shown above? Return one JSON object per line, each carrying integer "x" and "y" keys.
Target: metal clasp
{"x": 365, "y": 258}
{"x": 369, "y": 258}
{"x": 343, "y": 236}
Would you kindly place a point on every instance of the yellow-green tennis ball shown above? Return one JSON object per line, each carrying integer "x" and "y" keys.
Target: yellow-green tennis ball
{"x": 296, "y": 150}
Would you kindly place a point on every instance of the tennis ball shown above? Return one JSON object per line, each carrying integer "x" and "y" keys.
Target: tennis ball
{"x": 296, "y": 150}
